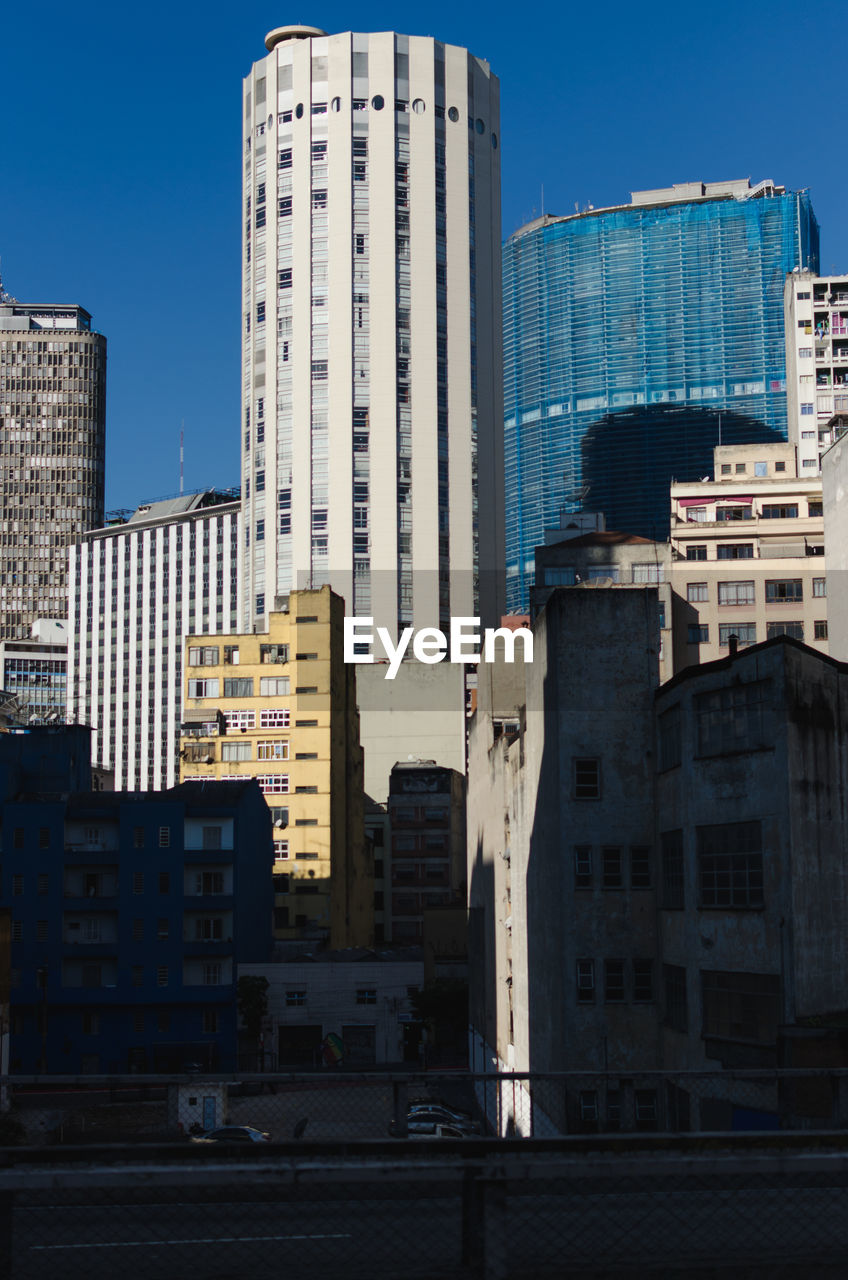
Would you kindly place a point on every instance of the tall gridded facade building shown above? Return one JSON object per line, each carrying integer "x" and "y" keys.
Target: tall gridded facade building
{"x": 372, "y": 396}
{"x": 136, "y": 591}
{"x": 52, "y": 454}
{"x": 634, "y": 337}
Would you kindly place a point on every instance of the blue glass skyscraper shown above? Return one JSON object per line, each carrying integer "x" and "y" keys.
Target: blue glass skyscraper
{"x": 633, "y": 336}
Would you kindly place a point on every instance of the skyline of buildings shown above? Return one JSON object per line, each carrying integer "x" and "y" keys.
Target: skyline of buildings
{"x": 371, "y": 327}
{"x": 631, "y": 330}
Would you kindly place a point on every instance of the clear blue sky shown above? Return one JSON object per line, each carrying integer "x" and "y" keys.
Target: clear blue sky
{"x": 120, "y": 149}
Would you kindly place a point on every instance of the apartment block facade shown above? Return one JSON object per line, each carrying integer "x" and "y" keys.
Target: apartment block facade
{"x": 427, "y": 816}
{"x": 748, "y": 554}
{"x": 816, "y": 315}
{"x": 280, "y": 706}
{"x": 129, "y": 913}
{"x": 137, "y": 589}
{"x": 372, "y": 381}
{"x": 635, "y": 339}
{"x": 53, "y": 440}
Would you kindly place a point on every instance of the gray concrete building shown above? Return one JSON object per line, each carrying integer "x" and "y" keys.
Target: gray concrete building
{"x": 834, "y": 474}
{"x": 52, "y": 442}
{"x": 656, "y": 873}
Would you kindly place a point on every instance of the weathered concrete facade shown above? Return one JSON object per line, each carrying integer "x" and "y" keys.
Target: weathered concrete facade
{"x": 560, "y": 816}
{"x": 656, "y": 874}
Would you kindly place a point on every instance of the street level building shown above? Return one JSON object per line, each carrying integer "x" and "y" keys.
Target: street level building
{"x": 372, "y": 381}
{"x": 635, "y": 339}
{"x": 137, "y": 589}
{"x": 53, "y": 447}
{"x": 129, "y": 912}
{"x": 280, "y": 706}
{"x": 816, "y": 314}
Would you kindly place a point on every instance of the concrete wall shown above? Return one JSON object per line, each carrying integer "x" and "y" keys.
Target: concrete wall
{"x": 834, "y": 466}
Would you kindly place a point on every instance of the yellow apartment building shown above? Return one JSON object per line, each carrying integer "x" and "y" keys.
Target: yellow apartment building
{"x": 280, "y": 707}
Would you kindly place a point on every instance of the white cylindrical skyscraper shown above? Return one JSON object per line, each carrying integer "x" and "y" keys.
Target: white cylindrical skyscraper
{"x": 372, "y": 454}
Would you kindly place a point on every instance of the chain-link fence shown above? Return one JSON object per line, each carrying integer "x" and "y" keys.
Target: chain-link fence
{"x": 754, "y": 1210}
{"x": 347, "y": 1107}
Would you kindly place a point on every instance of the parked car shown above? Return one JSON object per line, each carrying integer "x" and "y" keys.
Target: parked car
{"x": 428, "y": 1121}
{"x": 233, "y": 1133}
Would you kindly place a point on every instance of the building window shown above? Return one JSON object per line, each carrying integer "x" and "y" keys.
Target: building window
{"x": 162, "y": 975}
{"x": 273, "y": 653}
{"x": 741, "y": 1006}
{"x": 272, "y": 751}
{"x": 697, "y": 633}
{"x": 734, "y": 593}
{"x": 209, "y": 929}
{"x": 137, "y": 975}
{"x": 204, "y": 688}
{"x": 675, "y": 1013}
{"x": 643, "y": 981}
{"x": 820, "y": 630}
{"x": 17, "y": 885}
{"x": 203, "y": 657}
{"x": 648, "y": 573}
{"x": 726, "y": 514}
{"x": 745, "y": 632}
{"x": 138, "y": 929}
{"x": 44, "y": 837}
{"x": 231, "y": 655}
{"x": 294, "y": 999}
{"x": 162, "y": 927}
{"x": 730, "y": 865}
{"x": 210, "y": 1022}
{"x": 613, "y": 981}
{"x": 274, "y": 686}
{"x": 90, "y": 1024}
{"x": 696, "y": 592}
{"x": 212, "y": 837}
{"x": 734, "y": 719}
{"x": 236, "y": 751}
{"x": 612, "y": 875}
{"x": 646, "y": 1103}
{"x": 366, "y": 995}
{"x": 138, "y": 837}
{"x": 671, "y": 738}
{"x": 780, "y": 511}
{"x": 213, "y": 974}
{"x": 582, "y": 866}
{"x": 138, "y": 882}
{"x": 585, "y": 981}
{"x": 18, "y": 838}
{"x": 815, "y": 508}
{"x": 735, "y": 551}
{"x": 238, "y": 687}
{"x": 696, "y": 553}
{"x": 640, "y": 867}
{"x": 793, "y": 629}
{"x": 588, "y": 1106}
{"x": 784, "y": 590}
{"x": 41, "y": 883}
{"x": 587, "y": 778}
{"x": 274, "y": 783}
{"x": 671, "y": 851}
{"x": 164, "y": 837}
{"x": 164, "y": 881}
{"x": 819, "y": 587}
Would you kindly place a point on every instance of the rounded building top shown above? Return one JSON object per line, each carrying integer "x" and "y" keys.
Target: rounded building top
{"x": 296, "y": 32}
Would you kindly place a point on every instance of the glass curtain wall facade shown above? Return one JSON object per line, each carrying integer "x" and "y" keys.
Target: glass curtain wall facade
{"x": 619, "y": 320}
{"x": 372, "y": 381}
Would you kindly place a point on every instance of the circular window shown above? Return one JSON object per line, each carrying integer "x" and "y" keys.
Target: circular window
{"x": 453, "y": 114}
{"x": 336, "y": 104}
{"x": 299, "y": 110}
{"x": 494, "y": 141}
{"x": 377, "y": 102}
{"x": 480, "y": 127}
{"x": 418, "y": 106}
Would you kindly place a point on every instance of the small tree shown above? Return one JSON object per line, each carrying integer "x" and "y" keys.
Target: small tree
{"x": 253, "y": 1003}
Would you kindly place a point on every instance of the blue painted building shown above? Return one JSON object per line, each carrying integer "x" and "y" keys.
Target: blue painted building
{"x": 637, "y": 338}
{"x": 130, "y": 912}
